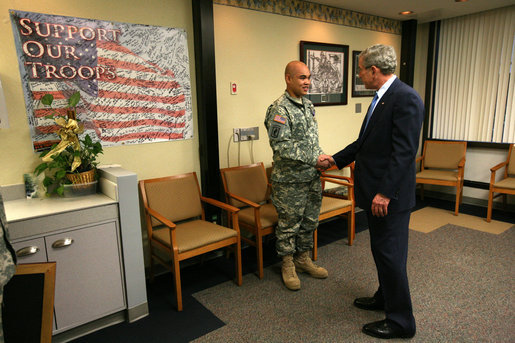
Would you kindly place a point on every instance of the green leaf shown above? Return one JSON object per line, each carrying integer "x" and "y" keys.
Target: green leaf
{"x": 60, "y": 174}
{"x": 74, "y": 99}
{"x": 47, "y": 99}
{"x": 60, "y": 190}
{"x": 39, "y": 169}
{"x": 47, "y": 181}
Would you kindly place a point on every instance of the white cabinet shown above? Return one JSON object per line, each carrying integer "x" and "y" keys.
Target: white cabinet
{"x": 100, "y": 277}
{"x": 89, "y": 280}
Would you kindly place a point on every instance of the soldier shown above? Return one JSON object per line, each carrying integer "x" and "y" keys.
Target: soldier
{"x": 296, "y": 187}
{"x": 7, "y": 259}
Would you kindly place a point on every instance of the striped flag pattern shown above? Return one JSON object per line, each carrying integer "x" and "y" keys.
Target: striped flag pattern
{"x": 134, "y": 100}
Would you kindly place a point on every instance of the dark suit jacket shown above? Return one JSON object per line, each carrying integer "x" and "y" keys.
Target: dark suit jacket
{"x": 385, "y": 153}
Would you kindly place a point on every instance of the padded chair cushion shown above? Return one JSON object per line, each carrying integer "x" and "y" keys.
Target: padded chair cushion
{"x": 511, "y": 162}
{"x": 176, "y": 199}
{"x": 193, "y": 234}
{"x": 445, "y": 156}
{"x": 506, "y": 183}
{"x": 268, "y": 214}
{"x": 342, "y": 191}
{"x": 445, "y": 175}
{"x": 249, "y": 183}
{"x": 331, "y": 204}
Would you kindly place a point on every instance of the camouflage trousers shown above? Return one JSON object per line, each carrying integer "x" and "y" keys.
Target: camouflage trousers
{"x": 298, "y": 207}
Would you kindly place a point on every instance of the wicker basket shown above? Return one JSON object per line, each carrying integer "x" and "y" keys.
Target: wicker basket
{"x": 84, "y": 177}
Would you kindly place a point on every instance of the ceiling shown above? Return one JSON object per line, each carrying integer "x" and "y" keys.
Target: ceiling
{"x": 425, "y": 10}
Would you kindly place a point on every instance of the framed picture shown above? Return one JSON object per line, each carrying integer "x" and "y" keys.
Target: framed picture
{"x": 328, "y": 64}
{"x": 358, "y": 88}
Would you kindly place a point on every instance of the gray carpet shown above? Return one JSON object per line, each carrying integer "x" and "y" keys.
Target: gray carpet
{"x": 462, "y": 285}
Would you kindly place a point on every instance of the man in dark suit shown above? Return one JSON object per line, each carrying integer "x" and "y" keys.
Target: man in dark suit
{"x": 384, "y": 156}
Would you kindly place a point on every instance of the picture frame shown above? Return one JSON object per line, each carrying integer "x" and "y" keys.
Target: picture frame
{"x": 328, "y": 64}
{"x": 358, "y": 88}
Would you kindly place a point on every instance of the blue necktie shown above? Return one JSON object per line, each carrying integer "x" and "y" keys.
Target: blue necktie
{"x": 370, "y": 110}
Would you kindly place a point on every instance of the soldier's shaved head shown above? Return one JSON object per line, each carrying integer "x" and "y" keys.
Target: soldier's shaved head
{"x": 293, "y": 66}
{"x": 298, "y": 79}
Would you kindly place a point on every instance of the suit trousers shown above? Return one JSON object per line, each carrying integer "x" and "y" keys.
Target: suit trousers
{"x": 389, "y": 244}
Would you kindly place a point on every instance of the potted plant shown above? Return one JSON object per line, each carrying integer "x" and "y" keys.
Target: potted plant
{"x": 73, "y": 160}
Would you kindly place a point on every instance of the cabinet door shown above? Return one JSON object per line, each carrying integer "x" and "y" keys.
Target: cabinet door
{"x": 89, "y": 282}
{"x": 30, "y": 251}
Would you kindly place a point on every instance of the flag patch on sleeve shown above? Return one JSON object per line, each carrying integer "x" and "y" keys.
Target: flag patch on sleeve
{"x": 280, "y": 119}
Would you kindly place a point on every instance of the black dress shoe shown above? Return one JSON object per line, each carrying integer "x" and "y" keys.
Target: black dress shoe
{"x": 370, "y": 304}
{"x": 386, "y": 329}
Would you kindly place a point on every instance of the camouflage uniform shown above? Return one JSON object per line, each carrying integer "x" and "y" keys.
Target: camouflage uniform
{"x": 7, "y": 259}
{"x": 296, "y": 187}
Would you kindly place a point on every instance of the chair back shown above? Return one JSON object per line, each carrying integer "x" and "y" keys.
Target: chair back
{"x": 175, "y": 197}
{"x": 443, "y": 154}
{"x": 511, "y": 161}
{"x": 248, "y": 182}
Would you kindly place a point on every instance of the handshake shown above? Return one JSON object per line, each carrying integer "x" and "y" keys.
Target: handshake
{"x": 324, "y": 162}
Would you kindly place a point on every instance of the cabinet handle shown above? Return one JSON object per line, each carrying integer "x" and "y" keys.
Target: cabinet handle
{"x": 26, "y": 251}
{"x": 62, "y": 243}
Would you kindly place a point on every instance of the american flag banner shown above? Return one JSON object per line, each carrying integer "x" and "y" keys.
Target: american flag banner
{"x": 133, "y": 79}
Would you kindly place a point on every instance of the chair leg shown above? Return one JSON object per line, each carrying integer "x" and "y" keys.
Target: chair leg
{"x": 314, "y": 253}
{"x": 177, "y": 281}
{"x": 351, "y": 232}
{"x": 422, "y": 191}
{"x": 237, "y": 256}
{"x": 259, "y": 253}
{"x": 457, "y": 206}
{"x": 490, "y": 203}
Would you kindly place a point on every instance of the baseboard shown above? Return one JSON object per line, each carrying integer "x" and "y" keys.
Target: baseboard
{"x": 468, "y": 200}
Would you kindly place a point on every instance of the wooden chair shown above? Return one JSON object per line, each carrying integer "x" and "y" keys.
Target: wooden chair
{"x": 443, "y": 163}
{"x": 506, "y": 185}
{"x": 176, "y": 224}
{"x": 247, "y": 188}
{"x": 28, "y": 303}
{"x": 338, "y": 201}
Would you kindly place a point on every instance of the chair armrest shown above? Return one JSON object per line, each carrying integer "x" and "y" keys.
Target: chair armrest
{"x": 499, "y": 166}
{"x": 420, "y": 160}
{"x": 461, "y": 168}
{"x": 338, "y": 182}
{"x": 326, "y": 177}
{"x": 220, "y": 204}
{"x": 161, "y": 218}
{"x": 494, "y": 169}
{"x": 243, "y": 200}
{"x": 349, "y": 185}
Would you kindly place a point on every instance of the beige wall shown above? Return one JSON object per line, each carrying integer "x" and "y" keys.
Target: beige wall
{"x": 147, "y": 160}
{"x": 252, "y": 48}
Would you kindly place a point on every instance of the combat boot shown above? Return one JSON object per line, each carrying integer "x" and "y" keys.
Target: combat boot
{"x": 290, "y": 278}
{"x": 303, "y": 263}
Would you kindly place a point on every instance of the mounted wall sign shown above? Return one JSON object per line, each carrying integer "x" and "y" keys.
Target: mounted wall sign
{"x": 133, "y": 79}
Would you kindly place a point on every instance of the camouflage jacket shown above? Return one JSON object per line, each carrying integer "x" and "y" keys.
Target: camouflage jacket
{"x": 7, "y": 255}
{"x": 293, "y": 136}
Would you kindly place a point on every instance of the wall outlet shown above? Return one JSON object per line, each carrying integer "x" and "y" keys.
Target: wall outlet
{"x": 246, "y": 134}
{"x": 249, "y": 133}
